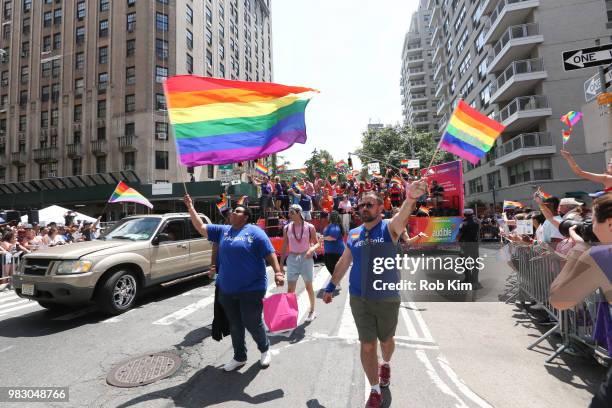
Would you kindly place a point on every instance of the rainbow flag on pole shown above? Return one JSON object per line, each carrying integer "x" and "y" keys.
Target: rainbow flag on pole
{"x": 470, "y": 134}
{"x": 218, "y": 121}
{"x": 404, "y": 163}
{"x": 125, "y": 194}
{"x": 512, "y": 204}
{"x": 241, "y": 200}
{"x": 260, "y": 168}
{"x": 223, "y": 204}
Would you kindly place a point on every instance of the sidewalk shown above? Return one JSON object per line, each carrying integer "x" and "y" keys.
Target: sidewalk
{"x": 486, "y": 344}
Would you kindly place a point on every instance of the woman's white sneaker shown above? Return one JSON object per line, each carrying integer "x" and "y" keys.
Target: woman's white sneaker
{"x": 311, "y": 316}
{"x": 232, "y": 365}
{"x": 266, "y": 358}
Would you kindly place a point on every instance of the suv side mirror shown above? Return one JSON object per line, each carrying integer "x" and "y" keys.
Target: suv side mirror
{"x": 160, "y": 238}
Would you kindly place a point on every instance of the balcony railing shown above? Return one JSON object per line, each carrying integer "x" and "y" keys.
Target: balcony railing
{"x": 514, "y": 32}
{"x": 19, "y": 157}
{"x": 74, "y": 150}
{"x": 45, "y": 154}
{"x": 98, "y": 147}
{"x": 517, "y": 68}
{"x": 418, "y": 96}
{"x": 522, "y": 104}
{"x": 500, "y": 8}
{"x": 525, "y": 140}
{"x": 442, "y": 122}
{"x": 414, "y": 84}
{"x": 126, "y": 143}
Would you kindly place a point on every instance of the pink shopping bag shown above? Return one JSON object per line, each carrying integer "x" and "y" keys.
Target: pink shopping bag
{"x": 280, "y": 312}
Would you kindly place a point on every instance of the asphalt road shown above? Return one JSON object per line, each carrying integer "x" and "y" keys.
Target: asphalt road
{"x": 316, "y": 365}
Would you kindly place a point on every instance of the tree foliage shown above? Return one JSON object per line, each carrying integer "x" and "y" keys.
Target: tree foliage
{"x": 391, "y": 144}
{"x": 321, "y": 160}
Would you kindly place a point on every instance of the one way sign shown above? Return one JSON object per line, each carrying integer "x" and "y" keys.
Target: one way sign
{"x": 587, "y": 57}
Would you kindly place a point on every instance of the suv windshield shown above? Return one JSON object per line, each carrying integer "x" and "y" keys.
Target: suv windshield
{"x": 137, "y": 229}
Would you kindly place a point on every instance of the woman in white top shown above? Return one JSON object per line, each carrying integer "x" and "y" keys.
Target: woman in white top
{"x": 345, "y": 208}
{"x": 52, "y": 238}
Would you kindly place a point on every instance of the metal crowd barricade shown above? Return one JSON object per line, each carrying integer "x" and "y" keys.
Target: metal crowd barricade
{"x": 536, "y": 267}
{"x": 9, "y": 266}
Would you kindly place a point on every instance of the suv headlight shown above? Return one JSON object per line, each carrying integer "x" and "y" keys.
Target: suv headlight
{"x": 72, "y": 267}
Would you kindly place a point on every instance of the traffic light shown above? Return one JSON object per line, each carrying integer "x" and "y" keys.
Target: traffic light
{"x": 350, "y": 162}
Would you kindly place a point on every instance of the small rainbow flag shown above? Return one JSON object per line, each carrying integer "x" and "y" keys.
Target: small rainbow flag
{"x": 397, "y": 180}
{"x": 223, "y": 204}
{"x": 403, "y": 163}
{"x": 571, "y": 118}
{"x": 333, "y": 177}
{"x": 469, "y": 133}
{"x": 566, "y": 136}
{"x": 544, "y": 195}
{"x": 355, "y": 235}
{"x": 512, "y": 204}
{"x": 405, "y": 170}
{"x": 241, "y": 200}
{"x": 219, "y": 121}
{"x": 125, "y": 194}
{"x": 260, "y": 168}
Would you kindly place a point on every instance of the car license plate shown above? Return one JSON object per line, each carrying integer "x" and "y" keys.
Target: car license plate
{"x": 27, "y": 289}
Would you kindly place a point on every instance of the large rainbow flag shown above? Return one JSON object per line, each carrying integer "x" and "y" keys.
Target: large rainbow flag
{"x": 125, "y": 194}
{"x": 470, "y": 134}
{"x": 218, "y": 121}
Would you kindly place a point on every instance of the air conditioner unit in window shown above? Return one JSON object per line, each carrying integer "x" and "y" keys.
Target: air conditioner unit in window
{"x": 162, "y": 135}
{"x": 76, "y": 126}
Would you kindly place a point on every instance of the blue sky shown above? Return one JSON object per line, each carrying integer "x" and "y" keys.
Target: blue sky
{"x": 350, "y": 50}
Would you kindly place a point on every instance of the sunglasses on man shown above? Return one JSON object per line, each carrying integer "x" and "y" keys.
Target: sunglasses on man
{"x": 369, "y": 206}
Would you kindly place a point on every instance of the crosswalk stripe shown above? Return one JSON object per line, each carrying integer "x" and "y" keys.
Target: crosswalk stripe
{"x": 409, "y": 325}
{"x": 186, "y": 311}
{"x": 6, "y": 311}
{"x": 420, "y": 321}
{"x": 11, "y": 304}
{"x": 8, "y": 298}
{"x": 465, "y": 390}
{"x": 347, "y": 329}
{"x": 437, "y": 380}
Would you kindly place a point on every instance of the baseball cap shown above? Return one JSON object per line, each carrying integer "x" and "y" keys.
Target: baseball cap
{"x": 468, "y": 211}
{"x": 569, "y": 201}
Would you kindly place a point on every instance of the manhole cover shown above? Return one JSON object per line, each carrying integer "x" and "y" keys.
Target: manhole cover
{"x": 144, "y": 370}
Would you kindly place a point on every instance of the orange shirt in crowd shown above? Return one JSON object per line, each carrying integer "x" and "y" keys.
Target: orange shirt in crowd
{"x": 327, "y": 204}
{"x": 387, "y": 204}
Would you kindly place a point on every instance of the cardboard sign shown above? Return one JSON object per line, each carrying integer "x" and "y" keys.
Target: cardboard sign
{"x": 373, "y": 168}
{"x": 524, "y": 227}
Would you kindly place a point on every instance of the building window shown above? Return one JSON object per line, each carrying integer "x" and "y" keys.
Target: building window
{"x": 23, "y": 98}
{"x": 23, "y": 122}
{"x": 222, "y": 70}
{"x": 211, "y": 171}
{"x": 221, "y": 52}
{"x": 209, "y": 16}
{"x": 130, "y": 129}
{"x": 161, "y": 21}
{"x": 485, "y": 96}
{"x": 161, "y": 130}
{"x": 130, "y": 75}
{"x": 161, "y": 160}
{"x": 160, "y": 102}
{"x": 463, "y": 40}
{"x": 465, "y": 64}
{"x": 209, "y": 59}
{"x": 57, "y": 17}
{"x": 102, "y": 109}
{"x": 189, "y": 39}
{"x": 209, "y": 38}
{"x": 77, "y": 114}
{"x": 221, "y": 32}
{"x": 161, "y": 73}
{"x": 161, "y": 48}
{"x": 77, "y": 168}
{"x": 482, "y": 69}
{"x": 45, "y": 93}
{"x": 467, "y": 88}
{"x": 494, "y": 180}
{"x": 130, "y": 103}
{"x": 44, "y": 119}
{"x": 103, "y": 29}
{"x": 103, "y": 55}
{"x": 55, "y": 91}
{"x": 542, "y": 169}
{"x": 101, "y": 164}
{"x": 189, "y": 15}
{"x": 47, "y": 19}
{"x": 104, "y": 5}
{"x": 101, "y": 133}
{"x": 475, "y": 185}
{"x": 21, "y": 173}
{"x": 57, "y": 41}
{"x": 102, "y": 81}
{"x": 81, "y": 10}
{"x": 54, "y": 117}
{"x": 519, "y": 173}
{"x": 131, "y": 3}
{"x": 189, "y": 63}
{"x": 79, "y": 60}
{"x": 130, "y": 48}
{"x": 25, "y": 49}
{"x": 25, "y": 74}
{"x": 25, "y": 25}
{"x": 80, "y": 35}
{"x": 131, "y": 22}
{"x": 129, "y": 160}
{"x": 79, "y": 86}
{"x": 55, "y": 68}
{"x": 76, "y": 137}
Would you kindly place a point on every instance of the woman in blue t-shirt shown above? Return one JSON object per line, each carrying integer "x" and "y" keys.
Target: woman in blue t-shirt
{"x": 333, "y": 241}
{"x": 242, "y": 280}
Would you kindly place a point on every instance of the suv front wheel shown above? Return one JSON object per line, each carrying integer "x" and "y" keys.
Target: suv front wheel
{"x": 118, "y": 292}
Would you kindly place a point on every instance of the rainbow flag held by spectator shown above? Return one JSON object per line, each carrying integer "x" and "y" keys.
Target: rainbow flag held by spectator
{"x": 125, "y": 194}
{"x": 544, "y": 195}
{"x": 397, "y": 180}
{"x": 241, "y": 200}
{"x": 220, "y": 121}
{"x": 512, "y": 204}
{"x": 333, "y": 177}
{"x": 260, "y": 168}
{"x": 470, "y": 134}
{"x": 571, "y": 118}
{"x": 404, "y": 163}
{"x": 223, "y": 204}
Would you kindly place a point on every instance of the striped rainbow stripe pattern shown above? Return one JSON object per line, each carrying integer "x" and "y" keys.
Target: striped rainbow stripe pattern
{"x": 512, "y": 204}
{"x": 404, "y": 163}
{"x": 218, "y": 121}
{"x": 223, "y": 204}
{"x": 260, "y": 168}
{"x": 125, "y": 194}
{"x": 470, "y": 134}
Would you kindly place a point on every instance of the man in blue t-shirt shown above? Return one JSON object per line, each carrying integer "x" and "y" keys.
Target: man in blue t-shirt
{"x": 242, "y": 280}
{"x": 374, "y": 309}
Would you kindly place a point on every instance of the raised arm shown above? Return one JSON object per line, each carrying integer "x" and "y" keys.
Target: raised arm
{"x": 604, "y": 179}
{"x": 195, "y": 219}
{"x": 400, "y": 220}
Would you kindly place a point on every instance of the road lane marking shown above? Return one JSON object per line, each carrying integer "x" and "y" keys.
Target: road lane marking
{"x": 186, "y": 311}
{"x": 437, "y": 380}
{"x": 409, "y": 325}
{"x": 6, "y": 349}
{"x": 421, "y": 322}
{"x": 465, "y": 390}
{"x": 347, "y": 329}
{"x": 116, "y": 319}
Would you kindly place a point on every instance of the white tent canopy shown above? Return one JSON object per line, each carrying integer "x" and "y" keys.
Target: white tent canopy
{"x": 55, "y": 213}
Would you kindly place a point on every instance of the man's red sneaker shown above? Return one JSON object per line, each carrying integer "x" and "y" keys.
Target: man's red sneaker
{"x": 385, "y": 375}
{"x": 375, "y": 400}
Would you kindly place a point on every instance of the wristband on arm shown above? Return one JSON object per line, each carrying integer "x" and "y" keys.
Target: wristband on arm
{"x": 330, "y": 287}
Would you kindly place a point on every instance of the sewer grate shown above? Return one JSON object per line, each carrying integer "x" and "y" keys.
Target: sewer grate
{"x": 143, "y": 370}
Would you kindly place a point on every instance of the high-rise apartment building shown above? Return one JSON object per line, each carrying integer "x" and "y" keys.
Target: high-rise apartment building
{"x": 504, "y": 57}
{"x": 417, "y": 86}
{"x": 81, "y": 80}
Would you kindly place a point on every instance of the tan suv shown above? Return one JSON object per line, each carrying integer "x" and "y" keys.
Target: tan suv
{"x": 136, "y": 252}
